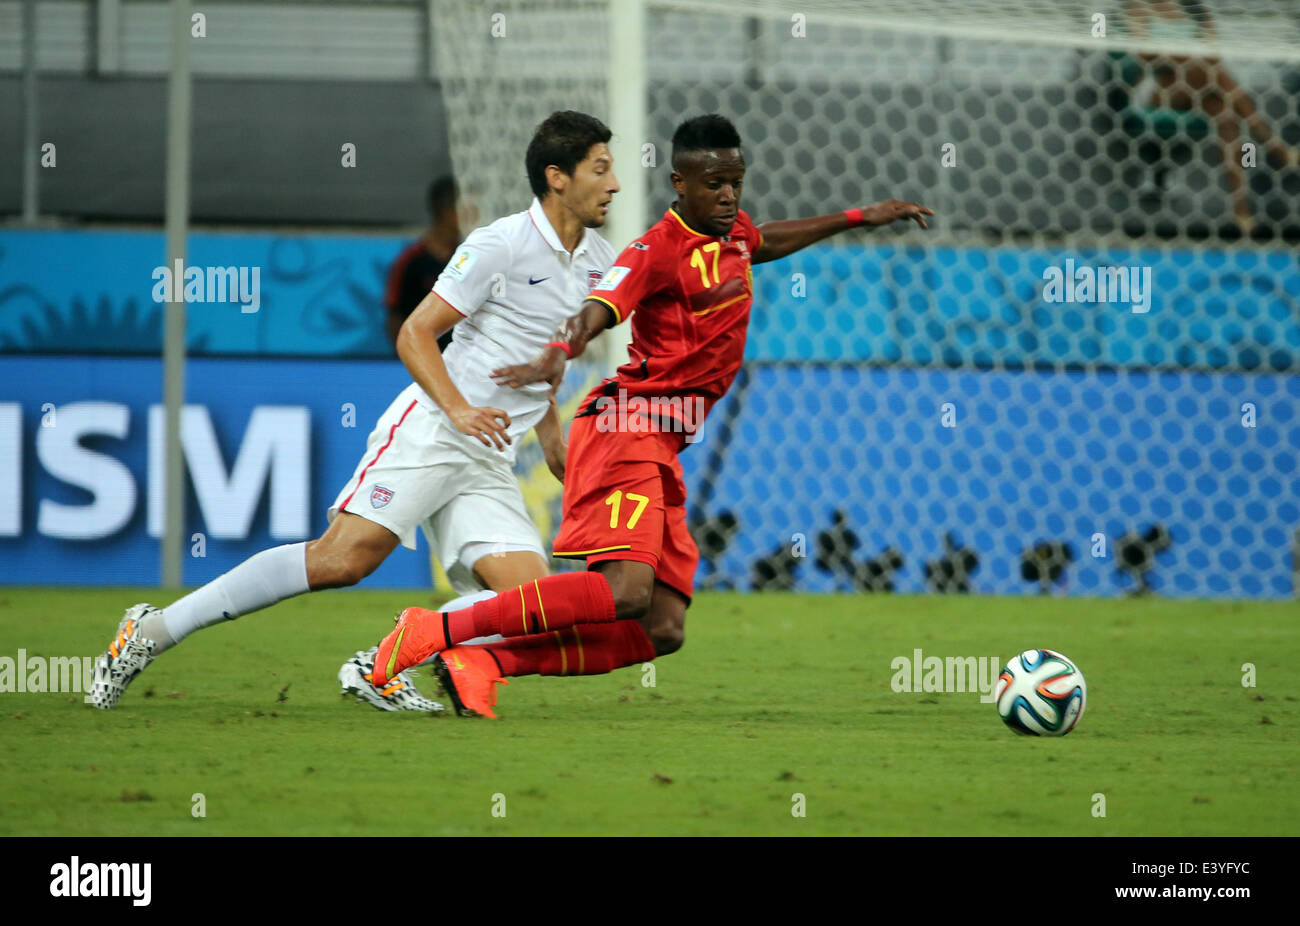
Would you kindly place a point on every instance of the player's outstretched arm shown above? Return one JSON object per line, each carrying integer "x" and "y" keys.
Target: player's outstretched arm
{"x": 783, "y": 238}
{"x": 417, "y": 346}
{"x": 570, "y": 341}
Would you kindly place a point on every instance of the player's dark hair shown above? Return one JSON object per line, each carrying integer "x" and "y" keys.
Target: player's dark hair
{"x": 563, "y": 139}
{"x": 441, "y": 195}
{"x": 704, "y": 133}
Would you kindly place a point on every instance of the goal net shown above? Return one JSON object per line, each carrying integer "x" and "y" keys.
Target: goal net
{"x": 1083, "y": 377}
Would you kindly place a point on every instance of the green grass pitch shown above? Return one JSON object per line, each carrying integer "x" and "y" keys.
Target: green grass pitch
{"x": 773, "y": 696}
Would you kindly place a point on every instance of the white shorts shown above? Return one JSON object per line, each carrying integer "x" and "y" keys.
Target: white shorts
{"x": 417, "y": 472}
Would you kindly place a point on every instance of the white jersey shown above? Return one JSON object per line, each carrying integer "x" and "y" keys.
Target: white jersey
{"x": 515, "y": 283}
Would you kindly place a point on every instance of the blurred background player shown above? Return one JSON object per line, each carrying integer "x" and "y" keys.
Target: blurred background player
{"x": 1186, "y": 84}
{"x": 441, "y": 456}
{"x": 417, "y": 268}
{"x": 687, "y": 285}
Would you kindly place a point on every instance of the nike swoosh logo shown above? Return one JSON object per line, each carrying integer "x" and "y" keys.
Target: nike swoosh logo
{"x": 459, "y": 664}
{"x": 532, "y": 282}
{"x": 392, "y": 660}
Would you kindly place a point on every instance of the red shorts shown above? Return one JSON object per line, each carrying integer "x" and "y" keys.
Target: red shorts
{"x": 624, "y": 499}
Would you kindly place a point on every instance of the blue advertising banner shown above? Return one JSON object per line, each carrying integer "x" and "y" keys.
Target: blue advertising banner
{"x": 1016, "y": 307}
{"x": 269, "y": 443}
{"x": 98, "y": 292}
{"x": 1008, "y": 307}
{"x": 830, "y": 476}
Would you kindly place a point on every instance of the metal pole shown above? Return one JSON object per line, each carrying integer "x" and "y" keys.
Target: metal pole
{"x": 627, "y": 120}
{"x": 430, "y": 62}
{"x": 108, "y": 37}
{"x": 30, "y": 122}
{"x": 178, "y": 213}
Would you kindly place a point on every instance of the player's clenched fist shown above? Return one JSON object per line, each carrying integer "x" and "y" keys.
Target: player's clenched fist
{"x": 891, "y": 210}
{"x": 483, "y": 423}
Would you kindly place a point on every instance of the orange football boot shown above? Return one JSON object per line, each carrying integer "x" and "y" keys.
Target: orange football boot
{"x": 418, "y": 635}
{"x": 469, "y": 674}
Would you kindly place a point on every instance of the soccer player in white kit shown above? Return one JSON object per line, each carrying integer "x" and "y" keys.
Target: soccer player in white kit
{"x": 440, "y": 458}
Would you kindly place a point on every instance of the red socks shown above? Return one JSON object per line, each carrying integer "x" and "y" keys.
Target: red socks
{"x": 588, "y": 650}
{"x": 540, "y": 607}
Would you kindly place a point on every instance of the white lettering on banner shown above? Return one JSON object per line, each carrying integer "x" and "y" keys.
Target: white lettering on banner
{"x": 11, "y": 469}
{"x": 273, "y": 456}
{"x": 106, "y": 478}
{"x": 275, "y": 450}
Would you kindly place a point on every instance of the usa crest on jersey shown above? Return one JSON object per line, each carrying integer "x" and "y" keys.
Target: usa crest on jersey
{"x": 379, "y": 496}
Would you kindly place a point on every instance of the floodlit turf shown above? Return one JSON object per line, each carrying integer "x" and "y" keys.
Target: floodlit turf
{"x": 773, "y": 696}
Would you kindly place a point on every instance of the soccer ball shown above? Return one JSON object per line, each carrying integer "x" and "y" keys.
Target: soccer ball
{"x": 1041, "y": 693}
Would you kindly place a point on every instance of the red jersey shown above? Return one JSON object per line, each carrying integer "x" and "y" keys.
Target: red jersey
{"x": 410, "y": 278}
{"x": 688, "y": 295}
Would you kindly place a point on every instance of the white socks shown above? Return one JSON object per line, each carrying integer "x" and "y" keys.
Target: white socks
{"x": 258, "y": 582}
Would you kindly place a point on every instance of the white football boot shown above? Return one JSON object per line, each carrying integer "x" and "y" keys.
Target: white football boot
{"x": 400, "y": 694}
{"x": 125, "y": 658}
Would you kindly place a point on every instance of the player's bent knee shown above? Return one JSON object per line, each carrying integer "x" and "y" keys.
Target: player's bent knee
{"x": 328, "y": 568}
{"x": 667, "y": 639}
{"x": 354, "y": 571}
{"x": 632, "y": 602}
{"x": 335, "y": 575}
{"x": 349, "y": 550}
{"x": 632, "y": 585}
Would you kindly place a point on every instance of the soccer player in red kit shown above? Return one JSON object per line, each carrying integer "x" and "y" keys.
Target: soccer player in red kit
{"x": 687, "y": 287}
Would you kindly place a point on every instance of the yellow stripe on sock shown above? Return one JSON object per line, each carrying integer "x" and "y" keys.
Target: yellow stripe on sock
{"x": 523, "y": 610}
{"x": 540, "y": 605}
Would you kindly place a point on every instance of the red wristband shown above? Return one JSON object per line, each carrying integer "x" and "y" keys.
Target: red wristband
{"x": 568, "y": 351}
{"x": 854, "y": 216}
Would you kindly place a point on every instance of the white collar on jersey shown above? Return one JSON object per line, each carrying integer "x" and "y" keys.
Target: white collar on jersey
{"x": 543, "y": 224}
